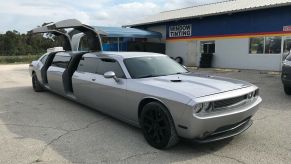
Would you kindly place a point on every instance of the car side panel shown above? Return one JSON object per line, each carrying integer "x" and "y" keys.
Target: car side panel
{"x": 105, "y": 95}
{"x": 82, "y": 86}
{"x": 37, "y": 70}
{"x": 55, "y": 79}
{"x": 137, "y": 92}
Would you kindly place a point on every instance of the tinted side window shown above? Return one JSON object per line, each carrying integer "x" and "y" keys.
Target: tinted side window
{"x": 61, "y": 61}
{"x": 89, "y": 42}
{"x": 88, "y": 65}
{"x": 110, "y": 65}
{"x": 43, "y": 59}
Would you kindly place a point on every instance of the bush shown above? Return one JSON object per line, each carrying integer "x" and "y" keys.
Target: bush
{"x": 18, "y": 59}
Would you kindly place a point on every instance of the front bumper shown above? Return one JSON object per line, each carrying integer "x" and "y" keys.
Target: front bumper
{"x": 226, "y": 132}
{"x": 219, "y": 126}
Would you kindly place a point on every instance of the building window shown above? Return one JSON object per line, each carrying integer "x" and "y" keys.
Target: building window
{"x": 257, "y": 45}
{"x": 207, "y": 47}
{"x": 265, "y": 45}
{"x": 287, "y": 45}
{"x": 273, "y": 45}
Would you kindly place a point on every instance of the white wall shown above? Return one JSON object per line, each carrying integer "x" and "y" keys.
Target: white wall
{"x": 234, "y": 53}
{"x": 229, "y": 53}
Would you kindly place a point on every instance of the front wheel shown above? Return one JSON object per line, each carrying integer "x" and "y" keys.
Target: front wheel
{"x": 36, "y": 84}
{"x": 158, "y": 126}
{"x": 287, "y": 90}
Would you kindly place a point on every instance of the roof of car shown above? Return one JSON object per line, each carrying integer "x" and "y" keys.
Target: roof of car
{"x": 125, "y": 54}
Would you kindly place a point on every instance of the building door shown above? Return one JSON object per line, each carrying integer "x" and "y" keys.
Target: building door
{"x": 208, "y": 47}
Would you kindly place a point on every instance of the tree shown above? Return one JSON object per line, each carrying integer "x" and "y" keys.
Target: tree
{"x": 13, "y": 43}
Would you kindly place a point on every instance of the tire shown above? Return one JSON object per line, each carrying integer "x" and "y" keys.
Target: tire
{"x": 287, "y": 90}
{"x": 158, "y": 126}
{"x": 36, "y": 84}
{"x": 179, "y": 60}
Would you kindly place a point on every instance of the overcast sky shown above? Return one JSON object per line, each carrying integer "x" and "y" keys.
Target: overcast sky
{"x": 23, "y": 15}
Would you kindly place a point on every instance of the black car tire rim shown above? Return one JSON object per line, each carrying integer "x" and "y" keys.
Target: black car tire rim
{"x": 34, "y": 82}
{"x": 156, "y": 127}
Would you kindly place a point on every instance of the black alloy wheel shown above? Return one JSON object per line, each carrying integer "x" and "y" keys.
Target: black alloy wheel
{"x": 158, "y": 126}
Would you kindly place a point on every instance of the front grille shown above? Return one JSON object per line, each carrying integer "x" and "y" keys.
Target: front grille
{"x": 231, "y": 127}
{"x": 228, "y": 102}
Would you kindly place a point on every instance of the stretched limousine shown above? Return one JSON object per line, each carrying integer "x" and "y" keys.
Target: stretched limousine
{"x": 150, "y": 91}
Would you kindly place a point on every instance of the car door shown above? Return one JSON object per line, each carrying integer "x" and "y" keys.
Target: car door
{"x": 55, "y": 72}
{"x": 92, "y": 88}
{"x": 82, "y": 80}
{"x": 39, "y": 66}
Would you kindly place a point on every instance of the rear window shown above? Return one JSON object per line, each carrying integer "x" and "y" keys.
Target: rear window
{"x": 43, "y": 59}
{"x": 61, "y": 61}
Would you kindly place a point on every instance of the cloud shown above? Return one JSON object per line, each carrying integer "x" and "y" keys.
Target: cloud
{"x": 25, "y": 15}
{"x": 124, "y": 13}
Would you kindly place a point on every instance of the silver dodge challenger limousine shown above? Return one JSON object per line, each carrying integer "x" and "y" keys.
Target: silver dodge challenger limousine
{"x": 150, "y": 91}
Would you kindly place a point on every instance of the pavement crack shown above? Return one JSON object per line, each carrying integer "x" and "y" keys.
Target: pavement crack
{"x": 263, "y": 118}
{"x": 62, "y": 135}
{"x": 88, "y": 125}
{"x": 227, "y": 157}
{"x": 138, "y": 155}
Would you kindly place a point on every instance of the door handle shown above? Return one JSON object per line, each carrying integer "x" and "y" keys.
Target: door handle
{"x": 93, "y": 79}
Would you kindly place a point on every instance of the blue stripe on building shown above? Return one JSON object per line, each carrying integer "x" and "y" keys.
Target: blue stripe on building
{"x": 258, "y": 21}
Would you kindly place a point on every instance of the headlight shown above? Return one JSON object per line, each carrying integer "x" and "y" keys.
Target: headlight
{"x": 287, "y": 63}
{"x": 203, "y": 107}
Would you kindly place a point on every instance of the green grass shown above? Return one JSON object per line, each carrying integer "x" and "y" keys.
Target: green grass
{"x": 18, "y": 59}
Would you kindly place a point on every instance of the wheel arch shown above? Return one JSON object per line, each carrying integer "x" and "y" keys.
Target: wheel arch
{"x": 33, "y": 72}
{"x": 147, "y": 100}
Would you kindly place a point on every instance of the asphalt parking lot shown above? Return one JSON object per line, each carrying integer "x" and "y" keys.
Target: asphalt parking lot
{"x": 46, "y": 128}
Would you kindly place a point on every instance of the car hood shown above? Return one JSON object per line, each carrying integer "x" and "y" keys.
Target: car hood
{"x": 195, "y": 85}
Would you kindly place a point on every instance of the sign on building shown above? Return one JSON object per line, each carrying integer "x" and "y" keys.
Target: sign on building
{"x": 180, "y": 31}
{"x": 287, "y": 28}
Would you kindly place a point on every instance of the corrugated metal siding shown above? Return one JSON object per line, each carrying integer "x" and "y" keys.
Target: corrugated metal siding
{"x": 212, "y": 9}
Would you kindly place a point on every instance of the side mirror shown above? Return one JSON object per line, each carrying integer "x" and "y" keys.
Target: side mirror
{"x": 111, "y": 74}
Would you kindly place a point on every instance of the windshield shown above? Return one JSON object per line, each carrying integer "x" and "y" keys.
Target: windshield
{"x": 152, "y": 66}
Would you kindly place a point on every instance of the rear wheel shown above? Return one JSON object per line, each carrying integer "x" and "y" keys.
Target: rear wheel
{"x": 287, "y": 90}
{"x": 158, "y": 126}
{"x": 36, "y": 84}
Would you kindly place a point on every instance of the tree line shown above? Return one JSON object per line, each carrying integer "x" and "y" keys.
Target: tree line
{"x": 12, "y": 43}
